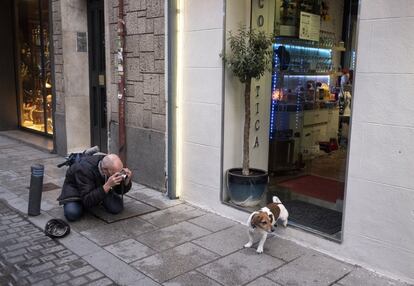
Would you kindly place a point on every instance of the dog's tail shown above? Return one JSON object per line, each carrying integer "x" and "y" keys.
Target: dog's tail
{"x": 276, "y": 200}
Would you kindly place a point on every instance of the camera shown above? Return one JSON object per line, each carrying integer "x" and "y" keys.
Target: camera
{"x": 123, "y": 174}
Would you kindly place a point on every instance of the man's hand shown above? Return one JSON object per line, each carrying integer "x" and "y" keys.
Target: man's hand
{"x": 113, "y": 181}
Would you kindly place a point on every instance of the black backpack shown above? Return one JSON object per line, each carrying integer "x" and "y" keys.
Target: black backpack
{"x": 77, "y": 157}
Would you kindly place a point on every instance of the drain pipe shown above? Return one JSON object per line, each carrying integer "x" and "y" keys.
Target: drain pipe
{"x": 121, "y": 82}
{"x": 172, "y": 98}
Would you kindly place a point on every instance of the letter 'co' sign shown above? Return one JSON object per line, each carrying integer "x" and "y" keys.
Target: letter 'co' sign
{"x": 260, "y": 18}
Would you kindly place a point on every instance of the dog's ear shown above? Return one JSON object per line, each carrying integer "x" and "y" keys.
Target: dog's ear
{"x": 256, "y": 220}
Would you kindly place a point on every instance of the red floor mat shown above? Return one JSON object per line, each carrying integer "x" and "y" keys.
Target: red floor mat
{"x": 316, "y": 187}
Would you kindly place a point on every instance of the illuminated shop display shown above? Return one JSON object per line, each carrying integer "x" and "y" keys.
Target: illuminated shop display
{"x": 35, "y": 86}
{"x": 300, "y": 86}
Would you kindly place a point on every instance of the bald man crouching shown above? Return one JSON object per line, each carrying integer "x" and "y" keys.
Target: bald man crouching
{"x": 94, "y": 180}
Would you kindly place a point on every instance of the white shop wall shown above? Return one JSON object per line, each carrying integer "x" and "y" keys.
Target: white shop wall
{"x": 236, "y": 12}
{"x": 380, "y": 198}
{"x": 202, "y": 104}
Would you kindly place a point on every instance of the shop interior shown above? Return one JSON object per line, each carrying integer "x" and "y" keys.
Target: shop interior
{"x": 311, "y": 103}
{"x": 33, "y": 66}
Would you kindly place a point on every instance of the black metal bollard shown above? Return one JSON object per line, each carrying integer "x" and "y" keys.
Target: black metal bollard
{"x": 36, "y": 188}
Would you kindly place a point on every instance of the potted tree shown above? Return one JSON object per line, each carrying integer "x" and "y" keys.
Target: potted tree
{"x": 249, "y": 57}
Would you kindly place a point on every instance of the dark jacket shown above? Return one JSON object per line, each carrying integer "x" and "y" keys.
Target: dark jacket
{"x": 84, "y": 183}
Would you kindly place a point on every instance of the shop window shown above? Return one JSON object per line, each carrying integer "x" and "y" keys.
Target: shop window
{"x": 309, "y": 95}
{"x": 34, "y": 68}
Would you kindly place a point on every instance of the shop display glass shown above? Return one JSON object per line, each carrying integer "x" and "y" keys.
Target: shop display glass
{"x": 34, "y": 68}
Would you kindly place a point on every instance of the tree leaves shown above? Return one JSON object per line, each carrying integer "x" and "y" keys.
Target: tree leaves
{"x": 250, "y": 54}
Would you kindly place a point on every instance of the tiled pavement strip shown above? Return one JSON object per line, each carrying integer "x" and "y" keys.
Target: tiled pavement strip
{"x": 178, "y": 244}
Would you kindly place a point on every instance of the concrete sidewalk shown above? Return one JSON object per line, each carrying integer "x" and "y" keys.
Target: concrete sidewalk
{"x": 174, "y": 244}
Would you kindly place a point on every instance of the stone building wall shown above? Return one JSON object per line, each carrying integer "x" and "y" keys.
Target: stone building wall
{"x": 59, "y": 89}
{"x": 71, "y": 77}
{"x": 145, "y": 93}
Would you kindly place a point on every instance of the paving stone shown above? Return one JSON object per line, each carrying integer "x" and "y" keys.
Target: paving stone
{"x": 310, "y": 269}
{"x": 61, "y": 278}
{"x": 81, "y": 271}
{"x": 46, "y": 282}
{"x": 129, "y": 250}
{"x": 16, "y": 259}
{"x": 51, "y": 249}
{"x": 66, "y": 259}
{"x": 135, "y": 187}
{"x": 101, "y": 282}
{"x": 40, "y": 220}
{"x": 282, "y": 248}
{"x": 190, "y": 279}
{"x": 62, "y": 268}
{"x": 63, "y": 253}
{"x": 213, "y": 222}
{"x": 131, "y": 209}
{"x": 78, "y": 281}
{"x": 17, "y": 245}
{"x": 262, "y": 281}
{"x": 364, "y": 277}
{"x": 79, "y": 244}
{"x": 231, "y": 239}
{"x": 41, "y": 267}
{"x": 78, "y": 263}
{"x": 172, "y": 215}
{"x": 146, "y": 282}
{"x": 19, "y": 204}
{"x": 114, "y": 268}
{"x": 240, "y": 267}
{"x": 153, "y": 198}
{"x": 106, "y": 234}
{"x": 166, "y": 265}
{"x": 40, "y": 276}
{"x": 49, "y": 257}
{"x": 114, "y": 232}
{"x": 171, "y": 236}
{"x": 94, "y": 275}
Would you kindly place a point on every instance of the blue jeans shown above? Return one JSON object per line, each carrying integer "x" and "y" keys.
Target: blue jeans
{"x": 112, "y": 204}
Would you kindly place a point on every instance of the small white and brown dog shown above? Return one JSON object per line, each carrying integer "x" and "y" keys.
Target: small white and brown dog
{"x": 265, "y": 220}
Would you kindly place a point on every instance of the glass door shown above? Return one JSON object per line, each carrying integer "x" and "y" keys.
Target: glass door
{"x": 34, "y": 68}
{"x": 310, "y": 112}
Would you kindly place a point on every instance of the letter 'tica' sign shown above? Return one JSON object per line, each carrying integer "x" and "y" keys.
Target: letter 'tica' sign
{"x": 257, "y": 125}
{"x": 257, "y": 122}
{"x": 260, "y": 21}
{"x": 256, "y": 142}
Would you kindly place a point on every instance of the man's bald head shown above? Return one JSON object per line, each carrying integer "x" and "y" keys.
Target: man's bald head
{"x": 112, "y": 163}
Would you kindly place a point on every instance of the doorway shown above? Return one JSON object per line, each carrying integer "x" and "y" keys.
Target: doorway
{"x": 96, "y": 48}
{"x": 311, "y": 104}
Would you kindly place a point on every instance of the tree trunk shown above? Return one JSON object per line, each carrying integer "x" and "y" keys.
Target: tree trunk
{"x": 246, "y": 134}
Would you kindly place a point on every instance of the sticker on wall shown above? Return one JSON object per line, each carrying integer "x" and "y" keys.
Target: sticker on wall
{"x": 81, "y": 44}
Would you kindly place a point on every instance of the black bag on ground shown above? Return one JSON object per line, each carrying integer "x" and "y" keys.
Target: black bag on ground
{"x": 77, "y": 157}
